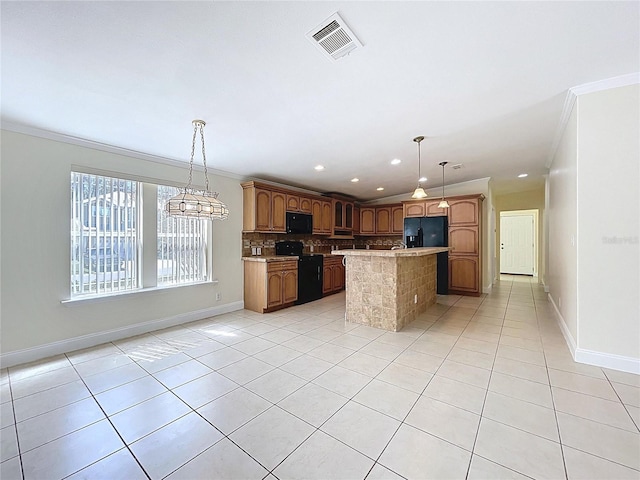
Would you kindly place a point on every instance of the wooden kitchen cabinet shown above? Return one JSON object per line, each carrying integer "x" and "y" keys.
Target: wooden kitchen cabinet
{"x": 264, "y": 210}
{"x": 415, "y": 208}
{"x": 397, "y": 219}
{"x": 465, "y": 241}
{"x": 356, "y": 220}
{"x": 464, "y": 211}
{"x": 367, "y": 221}
{"x": 432, "y": 209}
{"x": 296, "y": 203}
{"x": 464, "y": 275}
{"x": 321, "y": 211}
{"x": 343, "y": 211}
{"x": 293, "y": 203}
{"x": 270, "y": 285}
{"x": 333, "y": 273}
{"x": 305, "y": 205}
{"x": 423, "y": 208}
{"x": 383, "y": 220}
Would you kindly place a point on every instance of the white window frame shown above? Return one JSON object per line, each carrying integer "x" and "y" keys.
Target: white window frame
{"x": 202, "y": 253}
{"x": 147, "y": 244}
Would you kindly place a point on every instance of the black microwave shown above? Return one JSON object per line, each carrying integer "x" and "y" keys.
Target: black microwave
{"x": 299, "y": 223}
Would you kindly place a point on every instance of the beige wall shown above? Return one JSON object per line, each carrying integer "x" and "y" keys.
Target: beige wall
{"x": 594, "y": 220}
{"x": 608, "y": 249}
{"x": 562, "y": 217}
{"x": 527, "y": 200}
{"x": 35, "y": 254}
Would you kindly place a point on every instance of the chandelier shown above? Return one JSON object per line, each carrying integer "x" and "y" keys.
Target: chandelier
{"x": 192, "y": 203}
{"x": 419, "y": 191}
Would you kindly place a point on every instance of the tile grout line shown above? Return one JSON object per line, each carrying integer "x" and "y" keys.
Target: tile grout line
{"x": 114, "y": 429}
{"x": 553, "y": 402}
{"x": 484, "y": 401}
{"x": 15, "y": 423}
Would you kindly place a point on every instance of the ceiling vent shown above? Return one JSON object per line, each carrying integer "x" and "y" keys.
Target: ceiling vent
{"x": 334, "y": 38}
{"x": 457, "y": 166}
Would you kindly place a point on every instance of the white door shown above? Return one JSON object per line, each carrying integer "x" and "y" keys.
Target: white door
{"x": 516, "y": 244}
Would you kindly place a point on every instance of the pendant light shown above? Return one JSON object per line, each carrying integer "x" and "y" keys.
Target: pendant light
{"x": 443, "y": 203}
{"x": 419, "y": 191}
{"x": 192, "y": 203}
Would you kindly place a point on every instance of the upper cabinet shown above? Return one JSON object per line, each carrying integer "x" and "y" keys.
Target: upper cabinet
{"x": 397, "y": 220}
{"x": 367, "y": 221}
{"x": 382, "y": 220}
{"x": 305, "y": 205}
{"x": 423, "y": 208}
{"x": 263, "y": 209}
{"x": 321, "y": 211}
{"x": 356, "y": 220}
{"x": 415, "y": 209}
{"x": 434, "y": 211}
{"x": 296, "y": 203}
{"x": 342, "y": 217}
{"x": 464, "y": 211}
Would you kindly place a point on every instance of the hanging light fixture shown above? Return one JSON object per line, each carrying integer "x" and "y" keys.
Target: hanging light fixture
{"x": 192, "y": 203}
{"x": 443, "y": 203}
{"x": 419, "y": 191}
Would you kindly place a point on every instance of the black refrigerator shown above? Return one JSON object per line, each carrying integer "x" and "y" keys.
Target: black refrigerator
{"x": 431, "y": 232}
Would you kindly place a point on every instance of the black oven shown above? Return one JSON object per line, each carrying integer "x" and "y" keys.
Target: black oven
{"x": 299, "y": 223}
{"x": 309, "y": 271}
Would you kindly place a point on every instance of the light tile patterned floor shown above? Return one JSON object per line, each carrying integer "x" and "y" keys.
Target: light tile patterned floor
{"x": 476, "y": 388}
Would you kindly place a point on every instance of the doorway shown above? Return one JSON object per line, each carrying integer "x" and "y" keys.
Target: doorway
{"x": 518, "y": 242}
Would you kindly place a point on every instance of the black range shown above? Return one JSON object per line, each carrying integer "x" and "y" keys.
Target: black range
{"x": 309, "y": 271}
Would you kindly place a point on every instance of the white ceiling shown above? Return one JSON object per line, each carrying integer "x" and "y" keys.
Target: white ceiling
{"x": 485, "y": 82}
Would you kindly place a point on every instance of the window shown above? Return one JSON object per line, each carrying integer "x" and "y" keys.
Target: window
{"x": 107, "y": 244}
{"x": 104, "y": 237}
{"x": 182, "y": 245}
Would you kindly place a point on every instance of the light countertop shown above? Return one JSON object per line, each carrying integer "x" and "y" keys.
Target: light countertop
{"x": 270, "y": 258}
{"x": 280, "y": 258}
{"x": 402, "y": 252}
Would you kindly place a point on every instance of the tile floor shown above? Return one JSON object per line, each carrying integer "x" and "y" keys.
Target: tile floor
{"x": 477, "y": 388}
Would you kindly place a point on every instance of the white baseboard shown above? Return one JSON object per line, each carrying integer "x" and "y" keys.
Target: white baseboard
{"x": 591, "y": 357}
{"x": 85, "y": 341}
{"x": 571, "y": 342}
{"x": 608, "y": 360}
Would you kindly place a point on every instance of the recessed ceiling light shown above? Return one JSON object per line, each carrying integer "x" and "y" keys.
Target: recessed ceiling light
{"x": 319, "y": 168}
{"x": 422, "y": 179}
{"x": 354, "y": 180}
{"x": 396, "y": 161}
{"x": 522, "y": 175}
{"x": 380, "y": 189}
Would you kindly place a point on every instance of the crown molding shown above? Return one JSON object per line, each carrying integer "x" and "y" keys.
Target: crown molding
{"x": 103, "y": 147}
{"x": 572, "y": 95}
{"x": 607, "y": 84}
{"x": 569, "y": 102}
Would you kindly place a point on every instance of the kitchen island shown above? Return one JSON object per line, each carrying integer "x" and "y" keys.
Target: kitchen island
{"x": 388, "y": 289}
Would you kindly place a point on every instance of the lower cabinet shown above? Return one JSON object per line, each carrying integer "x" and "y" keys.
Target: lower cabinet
{"x": 332, "y": 275}
{"x": 464, "y": 275}
{"x": 270, "y": 285}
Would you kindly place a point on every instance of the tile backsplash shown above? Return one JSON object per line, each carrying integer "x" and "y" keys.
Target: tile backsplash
{"x": 314, "y": 243}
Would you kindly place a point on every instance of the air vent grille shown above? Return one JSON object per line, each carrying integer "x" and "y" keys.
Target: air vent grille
{"x": 333, "y": 26}
{"x": 334, "y": 38}
{"x": 457, "y": 166}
